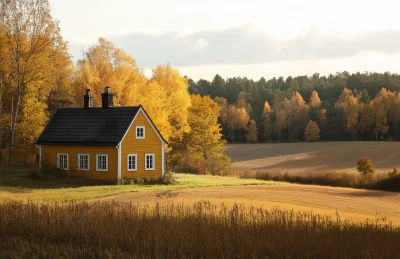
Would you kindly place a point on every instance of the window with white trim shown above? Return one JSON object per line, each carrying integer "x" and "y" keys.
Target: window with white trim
{"x": 149, "y": 161}
{"x": 63, "y": 161}
{"x": 83, "y": 161}
{"x": 140, "y": 132}
{"x": 101, "y": 162}
{"x": 132, "y": 162}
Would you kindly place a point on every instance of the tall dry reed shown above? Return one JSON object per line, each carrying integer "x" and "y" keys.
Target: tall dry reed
{"x": 170, "y": 230}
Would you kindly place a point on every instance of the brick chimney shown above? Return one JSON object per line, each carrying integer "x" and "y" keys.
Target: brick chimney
{"x": 87, "y": 99}
{"x": 107, "y": 98}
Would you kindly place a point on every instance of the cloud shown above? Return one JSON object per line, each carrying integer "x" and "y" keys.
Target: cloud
{"x": 243, "y": 45}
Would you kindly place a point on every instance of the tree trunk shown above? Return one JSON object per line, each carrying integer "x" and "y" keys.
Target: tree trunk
{"x": 14, "y": 116}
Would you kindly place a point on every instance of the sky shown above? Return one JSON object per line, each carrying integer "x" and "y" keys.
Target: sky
{"x": 240, "y": 38}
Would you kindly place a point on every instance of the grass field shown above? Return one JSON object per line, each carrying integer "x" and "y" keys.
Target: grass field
{"x": 354, "y": 204}
{"x": 17, "y": 186}
{"x": 312, "y": 158}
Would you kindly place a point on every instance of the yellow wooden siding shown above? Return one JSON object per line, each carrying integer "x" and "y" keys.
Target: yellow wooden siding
{"x": 49, "y": 155}
{"x": 150, "y": 145}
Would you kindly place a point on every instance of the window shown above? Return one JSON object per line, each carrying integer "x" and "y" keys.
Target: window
{"x": 132, "y": 158}
{"x": 62, "y": 161}
{"x": 101, "y": 162}
{"x": 83, "y": 161}
{"x": 140, "y": 132}
{"x": 149, "y": 162}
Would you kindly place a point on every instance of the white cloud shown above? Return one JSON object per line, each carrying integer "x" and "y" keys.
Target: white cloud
{"x": 253, "y": 37}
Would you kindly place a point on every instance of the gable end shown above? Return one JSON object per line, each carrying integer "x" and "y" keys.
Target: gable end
{"x": 141, "y": 109}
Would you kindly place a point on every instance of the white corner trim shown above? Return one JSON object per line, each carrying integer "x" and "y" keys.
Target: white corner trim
{"x": 148, "y": 120}
{"x": 163, "y": 160}
{"x": 119, "y": 147}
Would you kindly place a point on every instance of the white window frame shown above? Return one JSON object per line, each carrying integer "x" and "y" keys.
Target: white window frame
{"x": 88, "y": 162}
{"x": 127, "y": 162}
{"x": 154, "y": 162}
{"x": 144, "y": 132}
{"x": 59, "y": 160}
{"x": 97, "y": 163}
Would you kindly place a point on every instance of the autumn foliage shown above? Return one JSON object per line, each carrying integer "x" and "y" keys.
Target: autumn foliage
{"x": 365, "y": 166}
{"x": 312, "y": 131}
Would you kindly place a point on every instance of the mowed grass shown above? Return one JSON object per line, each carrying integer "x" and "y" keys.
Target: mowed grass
{"x": 19, "y": 187}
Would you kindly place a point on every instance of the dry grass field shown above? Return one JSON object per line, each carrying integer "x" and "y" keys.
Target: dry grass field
{"x": 311, "y": 158}
{"x": 354, "y": 204}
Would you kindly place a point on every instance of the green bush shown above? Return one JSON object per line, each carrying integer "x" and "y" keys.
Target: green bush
{"x": 365, "y": 166}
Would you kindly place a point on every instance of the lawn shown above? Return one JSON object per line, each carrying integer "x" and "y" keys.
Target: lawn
{"x": 17, "y": 186}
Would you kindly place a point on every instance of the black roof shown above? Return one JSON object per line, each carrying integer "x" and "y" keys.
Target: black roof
{"x": 88, "y": 126}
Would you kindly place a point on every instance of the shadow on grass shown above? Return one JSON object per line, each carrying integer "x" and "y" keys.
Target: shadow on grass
{"x": 371, "y": 193}
{"x": 23, "y": 182}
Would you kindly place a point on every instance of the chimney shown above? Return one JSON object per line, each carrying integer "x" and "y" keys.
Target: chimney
{"x": 107, "y": 98}
{"x": 87, "y": 99}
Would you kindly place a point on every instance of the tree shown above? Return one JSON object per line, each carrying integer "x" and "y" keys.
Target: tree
{"x": 381, "y": 105}
{"x": 267, "y": 125}
{"x": 365, "y": 98}
{"x": 366, "y": 117}
{"x": 34, "y": 47}
{"x": 203, "y": 144}
{"x": 281, "y": 122}
{"x": 365, "y": 166}
{"x": 349, "y": 107}
{"x": 177, "y": 100}
{"x": 106, "y": 65}
{"x": 322, "y": 120}
{"x": 251, "y": 132}
{"x": 297, "y": 113}
{"x": 312, "y": 131}
{"x": 315, "y": 102}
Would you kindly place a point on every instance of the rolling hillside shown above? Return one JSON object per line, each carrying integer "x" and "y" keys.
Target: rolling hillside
{"x": 305, "y": 158}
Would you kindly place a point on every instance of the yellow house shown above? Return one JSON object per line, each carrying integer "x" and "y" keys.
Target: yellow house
{"x": 107, "y": 143}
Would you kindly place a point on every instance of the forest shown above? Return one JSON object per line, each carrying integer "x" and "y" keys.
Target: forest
{"x": 339, "y": 107}
{"x": 38, "y": 75}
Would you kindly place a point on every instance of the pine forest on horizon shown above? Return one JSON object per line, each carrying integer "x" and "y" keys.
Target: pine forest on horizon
{"x": 37, "y": 75}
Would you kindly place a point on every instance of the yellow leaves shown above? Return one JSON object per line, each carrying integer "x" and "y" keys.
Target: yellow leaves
{"x": 34, "y": 115}
{"x": 267, "y": 109}
{"x": 251, "y": 132}
{"x": 314, "y": 99}
{"x": 177, "y": 99}
{"x": 350, "y": 107}
{"x": 103, "y": 65}
{"x": 312, "y": 131}
{"x": 204, "y": 141}
{"x": 152, "y": 97}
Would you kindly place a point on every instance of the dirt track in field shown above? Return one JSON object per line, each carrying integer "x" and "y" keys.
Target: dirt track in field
{"x": 310, "y": 158}
{"x": 350, "y": 203}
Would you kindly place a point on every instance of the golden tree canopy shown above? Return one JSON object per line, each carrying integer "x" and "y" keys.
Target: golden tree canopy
{"x": 314, "y": 99}
{"x": 312, "y": 131}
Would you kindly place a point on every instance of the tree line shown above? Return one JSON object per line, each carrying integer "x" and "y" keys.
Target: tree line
{"x": 344, "y": 106}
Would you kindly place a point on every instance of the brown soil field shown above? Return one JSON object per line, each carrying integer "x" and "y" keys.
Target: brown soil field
{"x": 310, "y": 158}
{"x": 354, "y": 204}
